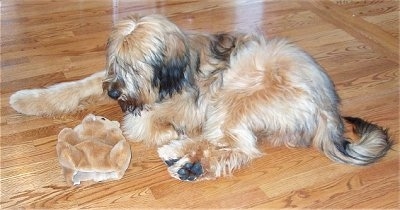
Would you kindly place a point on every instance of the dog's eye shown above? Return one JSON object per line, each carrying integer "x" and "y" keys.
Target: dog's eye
{"x": 103, "y": 118}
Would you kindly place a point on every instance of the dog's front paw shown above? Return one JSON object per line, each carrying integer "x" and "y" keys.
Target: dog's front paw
{"x": 190, "y": 171}
{"x": 26, "y": 102}
{"x": 185, "y": 161}
{"x": 186, "y": 170}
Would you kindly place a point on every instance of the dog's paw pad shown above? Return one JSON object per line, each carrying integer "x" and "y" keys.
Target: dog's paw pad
{"x": 171, "y": 161}
{"x": 190, "y": 171}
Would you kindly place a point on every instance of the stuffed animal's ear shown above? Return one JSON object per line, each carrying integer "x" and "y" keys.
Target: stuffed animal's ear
{"x": 115, "y": 124}
{"x": 89, "y": 125}
{"x": 89, "y": 118}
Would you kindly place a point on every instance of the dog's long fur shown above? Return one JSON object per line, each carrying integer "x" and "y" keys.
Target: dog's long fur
{"x": 206, "y": 99}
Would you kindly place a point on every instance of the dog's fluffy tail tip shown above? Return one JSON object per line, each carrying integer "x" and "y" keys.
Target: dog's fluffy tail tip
{"x": 373, "y": 143}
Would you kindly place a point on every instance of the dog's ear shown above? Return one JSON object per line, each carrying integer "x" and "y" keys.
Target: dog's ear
{"x": 222, "y": 45}
{"x": 169, "y": 74}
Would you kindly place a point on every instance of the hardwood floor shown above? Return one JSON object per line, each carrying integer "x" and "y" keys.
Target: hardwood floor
{"x": 45, "y": 42}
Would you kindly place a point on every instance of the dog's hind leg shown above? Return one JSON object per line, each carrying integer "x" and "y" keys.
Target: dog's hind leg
{"x": 60, "y": 98}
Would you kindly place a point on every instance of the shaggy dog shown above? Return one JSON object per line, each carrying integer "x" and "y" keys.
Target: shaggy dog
{"x": 205, "y": 99}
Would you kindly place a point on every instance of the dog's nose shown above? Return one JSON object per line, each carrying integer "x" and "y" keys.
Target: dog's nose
{"x": 114, "y": 94}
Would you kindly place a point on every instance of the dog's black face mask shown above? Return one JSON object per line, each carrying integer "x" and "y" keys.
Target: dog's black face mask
{"x": 169, "y": 78}
{"x": 169, "y": 72}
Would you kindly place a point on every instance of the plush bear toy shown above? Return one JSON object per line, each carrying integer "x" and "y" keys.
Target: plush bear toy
{"x": 94, "y": 150}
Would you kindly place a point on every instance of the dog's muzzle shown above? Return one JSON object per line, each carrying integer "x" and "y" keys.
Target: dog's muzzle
{"x": 132, "y": 107}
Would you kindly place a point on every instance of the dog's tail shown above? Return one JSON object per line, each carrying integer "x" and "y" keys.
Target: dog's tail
{"x": 373, "y": 142}
{"x": 60, "y": 98}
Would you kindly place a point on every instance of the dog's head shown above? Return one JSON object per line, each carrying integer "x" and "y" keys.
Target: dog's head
{"x": 147, "y": 58}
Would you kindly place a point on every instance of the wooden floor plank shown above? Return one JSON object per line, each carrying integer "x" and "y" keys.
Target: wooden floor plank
{"x": 357, "y": 27}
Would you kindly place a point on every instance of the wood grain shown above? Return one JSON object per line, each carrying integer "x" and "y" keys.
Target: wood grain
{"x": 45, "y": 42}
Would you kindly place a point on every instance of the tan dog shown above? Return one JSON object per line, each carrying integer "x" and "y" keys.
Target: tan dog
{"x": 94, "y": 150}
{"x": 205, "y": 100}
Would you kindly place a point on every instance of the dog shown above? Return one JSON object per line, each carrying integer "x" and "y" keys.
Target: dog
{"x": 206, "y": 100}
